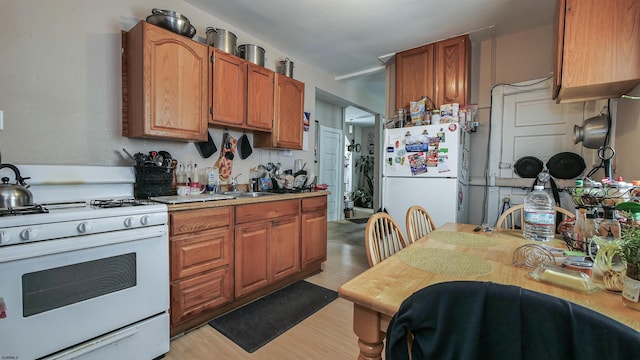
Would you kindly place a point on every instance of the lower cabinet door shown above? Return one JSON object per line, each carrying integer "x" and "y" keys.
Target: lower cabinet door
{"x": 284, "y": 247}
{"x": 192, "y": 296}
{"x": 314, "y": 238}
{"x": 251, "y": 271}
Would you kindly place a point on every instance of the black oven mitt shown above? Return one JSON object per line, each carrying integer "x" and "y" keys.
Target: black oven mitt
{"x": 244, "y": 146}
{"x": 207, "y": 148}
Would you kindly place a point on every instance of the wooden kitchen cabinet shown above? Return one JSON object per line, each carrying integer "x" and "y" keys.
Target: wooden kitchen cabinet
{"x": 452, "y": 70}
{"x": 260, "y": 85}
{"x": 597, "y": 52}
{"x": 165, "y": 87}
{"x": 241, "y": 93}
{"x": 228, "y": 89}
{"x": 439, "y": 71}
{"x": 415, "y": 75}
{"x": 288, "y": 116}
{"x": 201, "y": 245}
{"x": 313, "y": 231}
{"x": 267, "y": 244}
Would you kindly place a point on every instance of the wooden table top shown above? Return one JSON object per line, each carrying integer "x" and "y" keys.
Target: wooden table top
{"x": 383, "y": 287}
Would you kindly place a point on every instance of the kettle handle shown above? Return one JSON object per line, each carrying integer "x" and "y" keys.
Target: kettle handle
{"x": 19, "y": 179}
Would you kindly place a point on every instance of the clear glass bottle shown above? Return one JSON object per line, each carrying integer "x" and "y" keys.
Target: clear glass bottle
{"x": 539, "y": 215}
{"x": 609, "y": 227}
{"x": 584, "y": 230}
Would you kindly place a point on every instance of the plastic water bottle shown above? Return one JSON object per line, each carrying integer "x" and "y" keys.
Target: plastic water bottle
{"x": 539, "y": 215}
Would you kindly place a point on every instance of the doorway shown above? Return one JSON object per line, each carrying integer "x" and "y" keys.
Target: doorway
{"x": 331, "y": 169}
{"x": 359, "y": 155}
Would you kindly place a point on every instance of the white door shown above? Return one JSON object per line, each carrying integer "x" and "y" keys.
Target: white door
{"x": 526, "y": 122}
{"x": 330, "y": 169}
{"x": 534, "y": 125}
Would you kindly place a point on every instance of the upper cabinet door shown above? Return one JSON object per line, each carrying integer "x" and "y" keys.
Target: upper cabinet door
{"x": 452, "y": 70}
{"x": 166, "y": 79}
{"x": 259, "y": 98}
{"x": 228, "y": 89}
{"x": 289, "y": 112}
{"x": 415, "y": 75}
{"x": 597, "y": 50}
{"x": 288, "y": 116}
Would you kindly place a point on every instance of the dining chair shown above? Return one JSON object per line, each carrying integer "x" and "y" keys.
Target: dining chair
{"x": 513, "y": 217}
{"x": 382, "y": 237}
{"x": 498, "y": 321}
{"x": 419, "y": 223}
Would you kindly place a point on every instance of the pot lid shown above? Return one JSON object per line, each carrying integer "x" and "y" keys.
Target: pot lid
{"x": 528, "y": 167}
{"x": 566, "y": 165}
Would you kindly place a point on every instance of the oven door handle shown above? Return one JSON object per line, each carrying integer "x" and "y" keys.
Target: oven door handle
{"x": 94, "y": 345}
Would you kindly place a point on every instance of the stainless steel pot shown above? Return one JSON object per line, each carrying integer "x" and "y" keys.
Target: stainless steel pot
{"x": 252, "y": 53}
{"x": 286, "y": 67}
{"x": 14, "y": 195}
{"x": 593, "y": 132}
{"x": 222, "y": 39}
{"x": 172, "y": 21}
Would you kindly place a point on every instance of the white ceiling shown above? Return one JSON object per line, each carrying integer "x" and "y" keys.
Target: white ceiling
{"x": 348, "y": 38}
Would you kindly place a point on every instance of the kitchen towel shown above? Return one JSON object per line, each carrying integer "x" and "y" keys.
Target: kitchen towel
{"x": 254, "y": 325}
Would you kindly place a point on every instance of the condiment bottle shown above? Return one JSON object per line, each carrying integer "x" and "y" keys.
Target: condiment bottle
{"x": 195, "y": 180}
{"x": 609, "y": 227}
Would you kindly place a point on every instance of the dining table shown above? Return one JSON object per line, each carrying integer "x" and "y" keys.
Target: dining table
{"x": 456, "y": 252}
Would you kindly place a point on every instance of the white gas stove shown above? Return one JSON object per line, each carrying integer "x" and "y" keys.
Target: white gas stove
{"x": 61, "y": 220}
{"x": 85, "y": 270}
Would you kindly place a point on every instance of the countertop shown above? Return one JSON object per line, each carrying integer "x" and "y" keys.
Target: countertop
{"x": 242, "y": 201}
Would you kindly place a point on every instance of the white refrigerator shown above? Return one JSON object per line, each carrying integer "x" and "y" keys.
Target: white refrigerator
{"x": 428, "y": 166}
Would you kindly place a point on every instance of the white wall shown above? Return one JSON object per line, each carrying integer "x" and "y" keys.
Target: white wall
{"x": 60, "y": 84}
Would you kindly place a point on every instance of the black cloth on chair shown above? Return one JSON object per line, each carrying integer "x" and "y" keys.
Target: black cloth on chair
{"x": 484, "y": 320}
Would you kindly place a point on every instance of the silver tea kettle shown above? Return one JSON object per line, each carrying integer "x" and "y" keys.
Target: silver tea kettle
{"x": 14, "y": 195}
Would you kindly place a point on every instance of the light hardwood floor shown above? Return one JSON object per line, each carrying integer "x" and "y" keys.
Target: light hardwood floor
{"x": 327, "y": 334}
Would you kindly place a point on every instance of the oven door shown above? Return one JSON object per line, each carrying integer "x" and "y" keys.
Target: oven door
{"x": 59, "y": 293}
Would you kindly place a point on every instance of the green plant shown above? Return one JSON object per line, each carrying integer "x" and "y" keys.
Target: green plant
{"x": 364, "y": 192}
{"x": 629, "y": 245}
{"x": 360, "y": 198}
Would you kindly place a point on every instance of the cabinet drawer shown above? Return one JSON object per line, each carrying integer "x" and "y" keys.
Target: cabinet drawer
{"x": 313, "y": 204}
{"x": 195, "y": 295}
{"x": 200, "y": 253}
{"x": 183, "y": 222}
{"x": 266, "y": 211}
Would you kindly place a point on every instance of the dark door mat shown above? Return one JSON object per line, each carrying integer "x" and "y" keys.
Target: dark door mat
{"x": 255, "y": 324}
{"x": 359, "y": 220}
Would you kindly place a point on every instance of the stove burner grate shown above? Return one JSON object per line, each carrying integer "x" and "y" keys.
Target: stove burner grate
{"x": 23, "y": 210}
{"x": 110, "y": 203}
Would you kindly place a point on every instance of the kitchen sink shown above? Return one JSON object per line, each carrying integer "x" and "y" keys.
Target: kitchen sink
{"x": 247, "y": 194}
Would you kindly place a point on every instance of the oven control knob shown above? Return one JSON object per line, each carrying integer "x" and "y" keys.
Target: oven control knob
{"x": 4, "y": 237}
{"x": 144, "y": 220}
{"x": 84, "y": 227}
{"x": 28, "y": 234}
{"x": 128, "y": 222}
